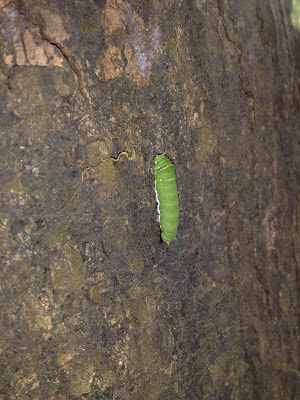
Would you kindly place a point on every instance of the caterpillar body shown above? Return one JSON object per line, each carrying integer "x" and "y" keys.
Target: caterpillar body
{"x": 167, "y": 197}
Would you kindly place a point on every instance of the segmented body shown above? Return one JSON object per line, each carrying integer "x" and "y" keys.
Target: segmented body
{"x": 167, "y": 197}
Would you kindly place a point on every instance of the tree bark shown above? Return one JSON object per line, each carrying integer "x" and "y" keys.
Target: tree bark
{"x": 93, "y": 304}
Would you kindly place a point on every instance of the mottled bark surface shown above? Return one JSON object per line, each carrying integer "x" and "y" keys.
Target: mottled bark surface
{"x": 93, "y": 304}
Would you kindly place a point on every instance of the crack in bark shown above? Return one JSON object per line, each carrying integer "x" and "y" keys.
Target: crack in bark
{"x": 260, "y": 277}
{"x": 220, "y": 5}
{"x": 242, "y": 75}
{"x": 24, "y": 48}
{"x": 5, "y": 80}
{"x": 71, "y": 59}
{"x": 66, "y": 53}
{"x": 259, "y": 17}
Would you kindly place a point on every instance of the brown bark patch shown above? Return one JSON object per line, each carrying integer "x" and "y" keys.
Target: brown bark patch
{"x": 140, "y": 44}
{"x": 112, "y": 63}
{"x": 24, "y": 45}
{"x": 113, "y": 17}
{"x": 53, "y": 26}
{"x": 4, "y": 3}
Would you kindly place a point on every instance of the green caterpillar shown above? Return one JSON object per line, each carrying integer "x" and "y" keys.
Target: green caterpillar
{"x": 167, "y": 197}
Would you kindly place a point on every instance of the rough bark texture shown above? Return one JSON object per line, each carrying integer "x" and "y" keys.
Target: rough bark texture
{"x": 93, "y": 304}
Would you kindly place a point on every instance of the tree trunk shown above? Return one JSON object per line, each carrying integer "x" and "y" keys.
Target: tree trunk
{"x": 93, "y": 304}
